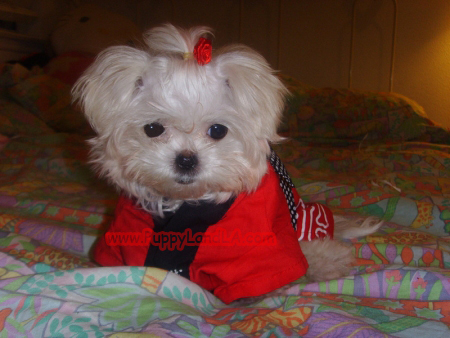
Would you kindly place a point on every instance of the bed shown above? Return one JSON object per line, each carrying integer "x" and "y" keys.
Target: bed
{"x": 358, "y": 152}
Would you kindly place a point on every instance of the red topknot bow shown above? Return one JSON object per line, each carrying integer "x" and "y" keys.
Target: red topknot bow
{"x": 203, "y": 51}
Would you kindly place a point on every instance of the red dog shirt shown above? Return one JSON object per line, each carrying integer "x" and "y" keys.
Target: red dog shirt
{"x": 247, "y": 248}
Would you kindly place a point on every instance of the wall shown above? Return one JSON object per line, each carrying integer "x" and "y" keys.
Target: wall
{"x": 310, "y": 39}
{"x": 316, "y": 47}
{"x": 423, "y": 57}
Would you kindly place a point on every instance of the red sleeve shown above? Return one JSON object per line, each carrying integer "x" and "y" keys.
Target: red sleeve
{"x": 129, "y": 221}
{"x": 315, "y": 221}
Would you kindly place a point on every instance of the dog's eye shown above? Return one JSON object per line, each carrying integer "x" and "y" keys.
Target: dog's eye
{"x": 217, "y": 131}
{"x": 154, "y": 129}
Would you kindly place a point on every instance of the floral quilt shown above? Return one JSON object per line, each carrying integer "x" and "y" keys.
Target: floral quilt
{"x": 52, "y": 208}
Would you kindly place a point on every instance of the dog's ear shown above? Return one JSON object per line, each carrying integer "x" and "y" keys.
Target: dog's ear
{"x": 258, "y": 93}
{"x": 108, "y": 86}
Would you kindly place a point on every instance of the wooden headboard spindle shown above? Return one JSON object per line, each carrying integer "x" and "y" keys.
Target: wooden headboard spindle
{"x": 394, "y": 33}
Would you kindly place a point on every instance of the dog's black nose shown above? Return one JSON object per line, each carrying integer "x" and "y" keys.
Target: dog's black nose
{"x": 186, "y": 161}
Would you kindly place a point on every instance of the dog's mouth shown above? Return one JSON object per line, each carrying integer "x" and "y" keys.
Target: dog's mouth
{"x": 185, "y": 180}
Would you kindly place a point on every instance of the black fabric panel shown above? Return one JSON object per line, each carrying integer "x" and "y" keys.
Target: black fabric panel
{"x": 194, "y": 216}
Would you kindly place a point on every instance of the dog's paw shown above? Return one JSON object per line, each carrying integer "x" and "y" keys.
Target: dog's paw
{"x": 327, "y": 259}
{"x": 351, "y": 227}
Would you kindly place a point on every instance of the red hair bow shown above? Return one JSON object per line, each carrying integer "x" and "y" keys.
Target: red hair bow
{"x": 203, "y": 51}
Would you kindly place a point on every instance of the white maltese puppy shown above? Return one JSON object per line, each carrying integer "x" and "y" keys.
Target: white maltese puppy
{"x": 185, "y": 134}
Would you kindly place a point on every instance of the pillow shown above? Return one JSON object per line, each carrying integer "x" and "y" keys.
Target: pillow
{"x": 11, "y": 74}
{"x": 90, "y": 29}
{"x": 68, "y": 67}
{"x": 3, "y": 141}
{"x": 49, "y": 99}
{"x": 328, "y": 114}
{"x": 15, "y": 120}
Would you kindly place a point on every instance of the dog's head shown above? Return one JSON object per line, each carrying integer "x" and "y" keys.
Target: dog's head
{"x": 170, "y": 129}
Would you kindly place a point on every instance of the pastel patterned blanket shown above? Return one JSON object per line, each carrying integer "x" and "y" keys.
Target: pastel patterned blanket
{"x": 52, "y": 208}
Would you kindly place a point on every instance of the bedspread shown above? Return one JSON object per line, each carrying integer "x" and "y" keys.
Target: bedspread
{"x": 52, "y": 208}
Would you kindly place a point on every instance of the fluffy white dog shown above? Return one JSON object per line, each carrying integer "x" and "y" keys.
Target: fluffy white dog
{"x": 179, "y": 126}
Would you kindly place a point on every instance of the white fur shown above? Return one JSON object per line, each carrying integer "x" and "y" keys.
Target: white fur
{"x": 331, "y": 259}
{"x": 127, "y": 88}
